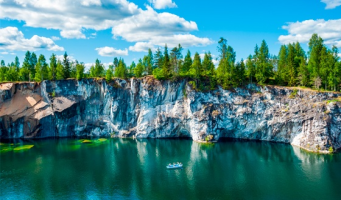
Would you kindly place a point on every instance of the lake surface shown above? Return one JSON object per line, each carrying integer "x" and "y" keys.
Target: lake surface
{"x": 136, "y": 169}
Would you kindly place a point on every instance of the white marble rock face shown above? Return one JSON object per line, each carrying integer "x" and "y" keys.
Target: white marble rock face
{"x": 148, "y": 108}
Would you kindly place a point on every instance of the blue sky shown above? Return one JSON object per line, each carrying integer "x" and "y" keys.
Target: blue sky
{"x": 104, "y": 29}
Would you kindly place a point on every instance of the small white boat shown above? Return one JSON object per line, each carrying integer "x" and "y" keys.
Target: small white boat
{"x": 174, "y": 166}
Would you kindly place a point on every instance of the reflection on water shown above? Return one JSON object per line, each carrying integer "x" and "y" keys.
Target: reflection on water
{"x": 136, "y": 169}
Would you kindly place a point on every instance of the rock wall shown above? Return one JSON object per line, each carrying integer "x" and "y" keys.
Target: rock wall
{"x": 148, "y": 108}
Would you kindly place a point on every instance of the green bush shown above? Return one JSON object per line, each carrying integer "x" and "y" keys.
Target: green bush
{"x": 293, "y": 94}
{"x": 331, "y": 150}
{"x": 53, "y": 93}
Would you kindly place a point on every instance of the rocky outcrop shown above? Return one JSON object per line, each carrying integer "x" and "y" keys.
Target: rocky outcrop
{"x": 148, "y": 108}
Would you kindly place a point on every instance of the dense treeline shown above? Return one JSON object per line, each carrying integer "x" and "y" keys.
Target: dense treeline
{"x": 318, "y": 67}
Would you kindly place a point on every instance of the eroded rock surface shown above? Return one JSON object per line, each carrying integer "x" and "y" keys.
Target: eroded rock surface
{"x": 147, "y": 107}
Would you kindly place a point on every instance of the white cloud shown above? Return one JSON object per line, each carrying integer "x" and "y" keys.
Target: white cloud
{"x": 70, "y": 17}
{"x": 111, "y": 52}
{"x": 127, "y": 21}
{"x": 4, "y": 53}
{"x": 329, "y": 30}
{"x": 55, "y": 38}
{"x": 148, "y": 24}
{"x": 61, "y": 58}
{"x": 331, "y": 4}
{"x": 142, "y": 47}
{"x": 186, "y": 40}
{"x": 162, "y": 4}
{"x": 13, "y": 39}
{"x": 89, "y": 65}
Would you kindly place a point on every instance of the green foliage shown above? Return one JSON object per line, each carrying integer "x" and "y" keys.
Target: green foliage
{"x": 184, "y": 92}
{"x": 80, "y": 71}
{"x": 59, "y": 71}
{"x": 66, "y": 66}
{"x": 121, "y": 70}
{"x": 54, "y": 93}
{"x": 321, "y": 69}
{"x": 293, "y": 94}
{"x": 139, "y": 69}
{"x": 53, "y": 67}
{"x": 331, "y": 150}
{"x": 184, "y": 69}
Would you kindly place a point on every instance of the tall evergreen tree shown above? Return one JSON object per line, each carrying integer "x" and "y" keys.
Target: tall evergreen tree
{"x": 208, "y": 66}
{"x": 53, "y": 66}
{"x": 250, "y": 68}
{"x": 139, "y": 69}
{"x": 41, "y": 69}
{"x": 60, "y": 71}
{"x": 282, "y": 70}
{"x": 315, "y": 48}
{"x": 186, "y": 65}
{"x": 166, "y": 66}
{"x": 99, "y": 69}
{"x": 263, "y": 65}
{"x": 33, "y": 62}
{"x": 67, "y": 67}
{"x": 121, "y": 70}
{"x": 80, "y": 71}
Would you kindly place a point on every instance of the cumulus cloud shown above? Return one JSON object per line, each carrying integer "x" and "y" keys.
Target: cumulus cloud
{"x": 331, "y": 4}
{"x": 61, "y": 58}
{"x": 186, "y": 40}
{"x": 55, "y": 38}
{"x": 12, "y": 39}
{"x": 162, "y": 4}
{"x": 70, "y": 17}
{"x": 329, "y": 30}
{"x": 146, "y": 27}
{"x": 148, "y": 24}
{"x": 111, "y": 52}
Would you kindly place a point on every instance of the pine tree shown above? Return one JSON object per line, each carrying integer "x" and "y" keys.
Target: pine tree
{"x": 315, "y": 48}
{"x": 196, "y": 69}
{"x": 80, "y": 71}
{"x": 149, "y": 61}
{"x": 67, "y": 68}
{"x": 132, "y": 69}
{"x": 184, "y": 69}
{"x": 158, "y": 59}
{"x": 282, "y": 69}
{"x": 99, "y": 69}
{"x": 263, "y": 65}
{"x": 33, "y": 62}
{"x": 41, "y": 69}
{"x": 208, "y": 66}
{"x": 121, "y": 70}
{"x": 139, "y": 69}
{"x": 250, "y": 68}
{"x": 60, "y": 71}
{"x": 24, "y": 71}
{"x": 166, "y": 66}
{"x": 53, "y": 66}
{"x": 303, "y": 73}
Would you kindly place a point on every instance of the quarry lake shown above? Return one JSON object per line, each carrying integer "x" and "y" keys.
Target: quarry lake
{"x": 136, "y": 169}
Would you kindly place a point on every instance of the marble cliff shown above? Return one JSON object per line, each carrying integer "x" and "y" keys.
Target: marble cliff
{"x": 148, "y": 108}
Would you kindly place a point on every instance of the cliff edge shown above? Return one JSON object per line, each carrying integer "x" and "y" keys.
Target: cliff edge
{"x": 148, "y": 108}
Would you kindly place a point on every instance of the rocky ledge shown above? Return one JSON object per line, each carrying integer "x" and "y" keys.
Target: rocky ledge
{"x": 148, "y": 108}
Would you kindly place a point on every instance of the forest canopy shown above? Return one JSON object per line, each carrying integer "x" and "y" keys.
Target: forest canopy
{"x": 320, "y": 67}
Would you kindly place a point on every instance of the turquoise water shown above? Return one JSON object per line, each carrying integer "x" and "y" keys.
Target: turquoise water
{"x": 136, "y": 169}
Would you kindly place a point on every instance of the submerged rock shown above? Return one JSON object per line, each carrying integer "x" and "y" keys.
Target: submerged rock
{"x": 148, "y": 108}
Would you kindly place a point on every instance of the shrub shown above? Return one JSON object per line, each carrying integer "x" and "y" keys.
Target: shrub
{"x": 293, "y": 94}
{"x": 53, "y": 93}
{"x": 331, "y": 150}
{"x": 184, "y": 92}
